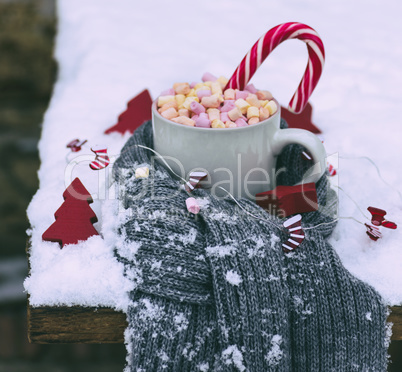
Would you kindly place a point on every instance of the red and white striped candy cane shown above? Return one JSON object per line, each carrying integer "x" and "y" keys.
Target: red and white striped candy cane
{"x": 267, "y": 43}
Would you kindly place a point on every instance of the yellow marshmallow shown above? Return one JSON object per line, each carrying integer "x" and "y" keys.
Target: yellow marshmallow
{"x": 142, "y": 172}
{"x": 242, "y": 105}
{"x": 187, "y": 102}
{"x": 253, "y": 112}
{"x": 192, "y": 93}
{"x": 234, "y": 114}
{"x": 222, "y": 81}
{"x": 216, "y": 88}
{"x": 164, "y": 99}
{"x": 272, "y": 107}
{"x": 180, "y": 98}
{"x": 201, "y": 87}
{"x": 217, "y": 124}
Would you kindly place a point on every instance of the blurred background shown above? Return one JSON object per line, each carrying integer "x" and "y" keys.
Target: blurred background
{"x": 27, "y": 74}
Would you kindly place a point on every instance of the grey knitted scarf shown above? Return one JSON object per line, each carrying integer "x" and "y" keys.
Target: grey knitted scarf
{"x": 215, "y": 291}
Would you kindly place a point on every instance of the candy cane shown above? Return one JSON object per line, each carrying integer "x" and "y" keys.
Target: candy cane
{"x": 267, "y": 43}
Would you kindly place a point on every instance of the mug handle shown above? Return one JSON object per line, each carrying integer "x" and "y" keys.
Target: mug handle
{"x": 308, "y": 140}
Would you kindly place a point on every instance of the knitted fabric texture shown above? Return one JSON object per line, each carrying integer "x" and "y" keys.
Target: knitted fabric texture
{"x": 215, "y": 291}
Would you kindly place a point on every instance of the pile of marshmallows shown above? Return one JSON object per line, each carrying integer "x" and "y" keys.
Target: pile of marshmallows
{"x": 206, "y": 105}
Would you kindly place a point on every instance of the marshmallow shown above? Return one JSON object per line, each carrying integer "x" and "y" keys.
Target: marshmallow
{"x": 253, "y": 112}
{"x": 229, "y": 94}
{"x": 272, "y": 107}
{"x": 168, "y": 92}
{"x": 228, "y": 105}
{"x": 253, "y": 100}
{"x": 216, "y": 88}
{"x": 213, "y": 114}
{"x": 142, "y": 172}
{"x": 203, "y": 121}
{"x": 253, "y": 120}
{"x": 184, "y": 120}
{"x": 182, "y": 88}
{"x": 192, "y": 205}
{"x": 168, "y": 106}
{"x": 250, "y": 88}
{"x": 195, "y": 117}
{"x": 234, "y": 114}
{"x": 208, "y": 77}
{"x": 196, "y": 108}
{"x": 264, "y": 94}
{"x": 170, "y": 113}
{"x": 241, "y": 94}
{"x": 204, "y": 92}
{"x": 180, "y": 98}
{"x": 217, "y": 124}
{"x": 222, "y": 81}
{"x": 165, "y": 99}
{"x": 241, "y": 123}
{"x": 224, "y": 117}
{"x": 230, "y": 124}
{"x": 191, "y": 93}
{"x": 187, "y": 102}
{"x": 264, "y": 113}
{"x": 184, "y": 112}
{"x": 242, "y": 105}
{"x": 212, "y": 101}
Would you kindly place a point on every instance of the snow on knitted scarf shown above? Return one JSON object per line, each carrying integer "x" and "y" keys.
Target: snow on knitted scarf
{"x": 215, "y": 291}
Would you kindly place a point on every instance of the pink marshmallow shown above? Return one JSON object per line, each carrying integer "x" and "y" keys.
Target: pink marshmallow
{"x": 224, "y": 117}
{"x": 228, "y": 105}
{"x": 194, "y": 117}
{"x": 193, "y": 84}
{"x": 168, "y": 92}
{"x": 208, "y": 77}
{"x": 203, "y": 121}
{"x": 196, "y": 108}
{"x": 203, "y": 93}
{"x": 241, "y": 94}
{"x": 241, "y": 123}
{"x": 192, "y": 205}
{"x": 251, "y": 88}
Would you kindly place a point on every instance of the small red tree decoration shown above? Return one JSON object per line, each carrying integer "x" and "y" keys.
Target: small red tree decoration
{"x": 74, "y": 218}
{"x": 138, "y": 111}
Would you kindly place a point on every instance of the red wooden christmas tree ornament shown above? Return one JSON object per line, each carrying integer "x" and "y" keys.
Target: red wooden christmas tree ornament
{"x": 302, "y": 120}
{"x": 74, "y": 218}
{"x": 284, "y": 201}
{"x": 138, "y": 111}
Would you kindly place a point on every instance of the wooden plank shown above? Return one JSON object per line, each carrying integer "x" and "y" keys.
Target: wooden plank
{"x": 48, "y": 325}
{"x": 396, "y": 318}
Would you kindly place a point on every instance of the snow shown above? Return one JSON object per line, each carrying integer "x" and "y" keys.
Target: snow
{"x": 233, "y": 278}
{"x": 110, "y": 51}
{"x": 275, "y": 354}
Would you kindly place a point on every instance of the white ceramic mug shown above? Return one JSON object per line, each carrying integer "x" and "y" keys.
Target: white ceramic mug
{"x": 241, "y": 160}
